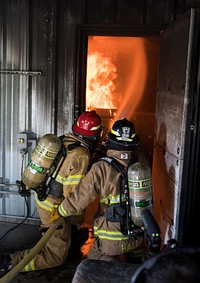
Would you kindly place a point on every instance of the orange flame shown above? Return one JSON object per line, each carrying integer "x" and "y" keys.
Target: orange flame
{"x": 118, "y": 75}
{"x": 100, "y": 85}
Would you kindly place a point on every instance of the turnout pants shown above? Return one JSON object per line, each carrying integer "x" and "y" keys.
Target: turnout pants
{"x": 56, "y": 249}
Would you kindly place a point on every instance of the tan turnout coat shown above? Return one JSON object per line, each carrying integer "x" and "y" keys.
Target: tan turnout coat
{"x": 56, "y": 249}
{"x": 102, "y": 180}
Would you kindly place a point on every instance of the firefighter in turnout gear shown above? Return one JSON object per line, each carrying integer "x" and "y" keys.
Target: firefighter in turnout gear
{"x": 79, "y": 145}
{"x": 103, "y": 180}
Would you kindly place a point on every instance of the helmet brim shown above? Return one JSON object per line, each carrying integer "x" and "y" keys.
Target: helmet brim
{"x": 126, "y": 144}
{"x": 85, "y": 133}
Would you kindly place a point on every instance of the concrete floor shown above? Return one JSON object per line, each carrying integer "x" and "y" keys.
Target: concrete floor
{"x": 26, "y": 236}
{"x": 60, "y": 274}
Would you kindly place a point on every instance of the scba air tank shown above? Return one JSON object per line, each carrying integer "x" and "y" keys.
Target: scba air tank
{"x": 42, "y": 158}
{"x": 140, "y": 190}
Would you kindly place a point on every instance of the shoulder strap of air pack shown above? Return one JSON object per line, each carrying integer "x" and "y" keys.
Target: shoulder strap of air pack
{"x": 120, "y": 168}
{"x": 117, "y": 165}
{"x": 129, "y": 228}
{"x": 73, "y": 143}
{"x": 124, "y": 189}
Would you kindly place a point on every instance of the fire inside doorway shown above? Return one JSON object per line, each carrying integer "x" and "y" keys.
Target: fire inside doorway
{"x": 121, "y": 81}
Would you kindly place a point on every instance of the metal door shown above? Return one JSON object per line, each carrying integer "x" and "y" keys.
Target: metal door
{"x": 175, "y": 127}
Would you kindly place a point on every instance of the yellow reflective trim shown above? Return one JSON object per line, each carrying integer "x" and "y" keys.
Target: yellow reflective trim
{"x": 109, "y": 235}
{"x": 30, "y": 266}
{"x": 47, "y": 205}
{"x": 95, "y": 128}
{"x": 54, "y": 174}
{"x": 115, "y": 133}
{"x": 110, "y": 199}
{"x": 70, "y": 180}
{"x": 62, "y": 211}
{"x": 124, "y": 139}
{"x": 133, "y": 135}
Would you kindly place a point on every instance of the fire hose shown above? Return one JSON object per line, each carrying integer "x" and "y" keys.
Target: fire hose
{"x": 33, "y": 252}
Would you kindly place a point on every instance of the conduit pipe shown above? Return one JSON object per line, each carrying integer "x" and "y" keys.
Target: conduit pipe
{"x": 33, "y": 252}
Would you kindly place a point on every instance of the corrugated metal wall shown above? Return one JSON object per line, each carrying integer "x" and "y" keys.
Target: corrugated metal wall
{"x": 14, "y": 51}
{"x": 27, "y": 80}
{"x": 38, "y": 81}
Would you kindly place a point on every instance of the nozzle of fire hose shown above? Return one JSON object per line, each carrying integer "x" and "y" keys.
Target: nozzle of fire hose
{"x": 22, "y": 189}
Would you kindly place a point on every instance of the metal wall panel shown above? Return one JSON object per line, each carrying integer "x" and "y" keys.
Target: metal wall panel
{"x": 174, "y": 110}
{"x": 27, "y": 64}
{"x": 14, "y": 103}
{"x": 167, "y": 173}
{"x": 172, "y": 96}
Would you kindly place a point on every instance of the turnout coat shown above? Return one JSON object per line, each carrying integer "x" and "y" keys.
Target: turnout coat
{"x": 104, "y": 181}
{"x": 73, "y": 169}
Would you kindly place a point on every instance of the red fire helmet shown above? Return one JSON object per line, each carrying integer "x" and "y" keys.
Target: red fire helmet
{"x": 88, "y": 124}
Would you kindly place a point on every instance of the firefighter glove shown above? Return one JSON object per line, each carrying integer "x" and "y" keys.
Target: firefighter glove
{"x": 53, "y": 215}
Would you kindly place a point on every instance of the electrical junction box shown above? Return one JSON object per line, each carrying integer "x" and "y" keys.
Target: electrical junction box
{"x": 26, "y": 142}
{"x": 22, "y": 141}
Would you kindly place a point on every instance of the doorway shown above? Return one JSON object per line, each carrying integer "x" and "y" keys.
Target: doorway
{"x": 171, "y": 136}
{"x": 121, "y": 81}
